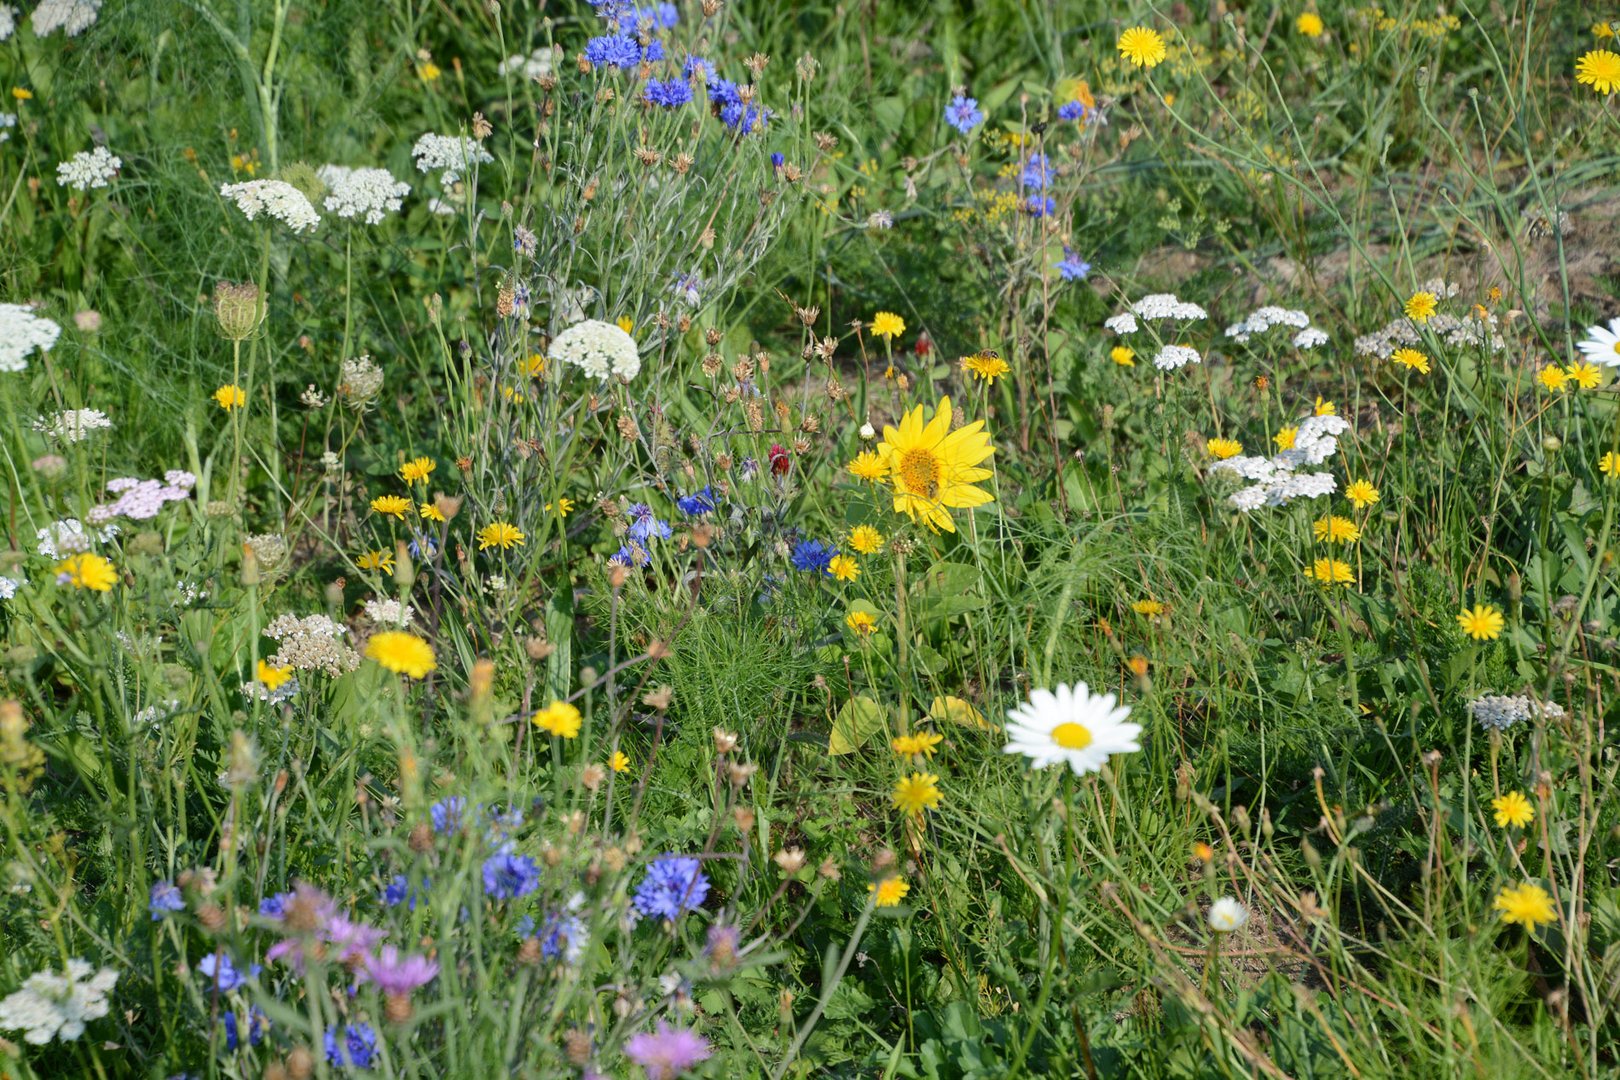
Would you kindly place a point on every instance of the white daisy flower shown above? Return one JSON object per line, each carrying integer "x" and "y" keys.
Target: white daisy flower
{"x": 1073, "y": 726}
{"x": 1226, "y": 915}
{"x": 1602, "y": 345}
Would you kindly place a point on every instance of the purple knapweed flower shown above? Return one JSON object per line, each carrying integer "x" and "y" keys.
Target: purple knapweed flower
{"x": 668, "y": 1052}
{"x": 396, "y": 974}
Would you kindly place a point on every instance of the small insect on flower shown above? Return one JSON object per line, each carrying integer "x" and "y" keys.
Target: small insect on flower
{"x": 1553, "y": 377}
{"x": 861, "y": 622}
{"x": 1513, "y": 810}
{"x": 1336, "y": 530}
{"x": 935, "y": 469}
{"x": 500, "y": 534}
{"x": 1362, "y": 494}
{"x": 1330, "y": 572}
{"x": 87, "y": 570}
{"x": 416, "y": 470}
{"x": 560, "y": 719}
{"x": 915, "y": 793}
{"x": 886, "y": 324}
{"x": 1421, "y": 306}
{"x": 1599, "y": 69}
{"x": 395, "y": 506}
{"x": 1481, "y": 622}
{"x": 865, "y": 540}
{"x": 376, "y": 560}
{"x": 844, "y": 568}
{"x": 401, "y": 653}
{"x": 1527, "y": 904}
{"x": 230, "y": 396}
{"x": 986, "y": 364}
{"x": 889, "y": 892}
{"x": 1123, "y": 355}
{"x": 1142, "y": 46}
{"x": 1223, "y": 448}
{"x": 923, "y": 743}
{"x": 1412, "y": 360}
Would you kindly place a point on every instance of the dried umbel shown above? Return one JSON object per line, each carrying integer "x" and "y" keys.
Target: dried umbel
{"x": 239, "y": 309}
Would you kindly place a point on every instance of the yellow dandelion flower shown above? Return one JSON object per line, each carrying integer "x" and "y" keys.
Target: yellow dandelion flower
{"x": 1336, "y": 530}
{"x": 416, "y": 470}
{"x": 1482, "y": 622}
{"x": 273, "y": 678}
{"x": 923, "y": 743}
{"x": 376, "y": 560}
{"x": 565, "y": 506}
{"x": 1148, "y": 608}
{"x": 1122, "y": 355}
{"x": 535, "y": 365}
{"x": 1513, "y": 809}
{"x": 22, "y": 93}
{"x": 401, "y": 653}
{"x": 1143, "y": 46}
{"x": 861, "y": 622}
{"x": 1609, "y": 465}
{"x": 1330, "y": 572}
{"x": 1527, "y": 904}
{"x": 1362, "y": 494}
{"x": 430, "y": 512}
{"x": 230, "y": 396}
{"x": 865, "y": 540}
{"x": 987, "y": 365}
{"x": 1309, "y": 23}
{"x": 844, "y": 567}
{"x": 87, "y": 571}
{"x": 1412, "y": 359}
{"x": 1553, "y": 377}
{"x": 933, "y": 469}
{"x": 391, "y": 506}
{"x": 1421, "y": 306}
{"x": 1223, "y": 448}
{"x": 619, "y": 762}
{"x": 1584, "y": 375}
{"x": 915, "y": 793}
{"x": 428, "y": 71}
{"x": 1325, "y": 408}
{"x": 501, "y": 534}
{"x": 889, "y": 892}
{"x": 1284, "y": 439}
{"x": 868, "y": 466}
{"x": 625, "y": 323}
{"x": 560, "y": 719}
{"x": 1599, "y": 69}
{"x": 1602, "y": 30}
{"x": 886, "y": 324}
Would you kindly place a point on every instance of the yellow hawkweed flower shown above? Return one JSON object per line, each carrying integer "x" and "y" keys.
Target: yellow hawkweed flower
{"x": 416, "y": 470}
{"x": 391, "y": 506}
{"x": 1412, "y": 359}
{"x": 1609, "y": 465}
{"x": 986, "y": 365}
{"x": 1122, "y": 355}
{"x": 230, "y": 396}
{"x": 923, "y": 743}
{"x": 560, "y": 719}
{"x": 1527, "y": 904}
{"x": 1223, "y": 448}
{"x": 1309, "y": 23}
{"x": 22, "y": 93}
{"x": 889, "y": 892}
{"x": 401, "y": 653}
{"x": 1325, "y": 408}
{"x": 430, "y": 512}
{"x": 1421, "y": 306}
{"x": 868, "y": 466}
{"x": 1599, "y": 69}
{"x": 428, "y": 71}
{"x": 1602, "y": 30}
{"x": 1336, "y": 530}
{"x": 625, "y": 323}
{"x": 1143, "y": 46}
{"x": 1362, "y": 494}
{"x": 865, "y": 540}
{"x": 933, "y": 469}
{"x": 273, "y": 678}
{"x": 619, "y": 762}
{"x": 886, "y": 324}
{"x": 87, "y": 571}
{"x": 1330, "y": 572}
{"x": 843, "y": 567}
{"x": 1584, "y": 375}
{"x": 376, "y": 560}
{"x": 915, "y": 793}
{"x": 1148, "y": 608}
{"x": 565, "y": 506}
{"x": 501, "y": 534}
{"x": 1284, "y": 439}
{"x": 1482, "y": 622}
{"x": 1513, "y": 809}
{"x": 1553, "y": 377}
{"x": 535, "y": 365}
{"x": 861, "y": 622}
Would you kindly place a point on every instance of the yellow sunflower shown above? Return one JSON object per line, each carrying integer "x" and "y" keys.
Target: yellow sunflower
{"x": 932, "y": 468}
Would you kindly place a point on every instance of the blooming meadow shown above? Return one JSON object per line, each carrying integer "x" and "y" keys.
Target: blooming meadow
{"x": 721, "y": 538}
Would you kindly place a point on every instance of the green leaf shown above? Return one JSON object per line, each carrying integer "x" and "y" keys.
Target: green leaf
{"x": 856, "y": 722}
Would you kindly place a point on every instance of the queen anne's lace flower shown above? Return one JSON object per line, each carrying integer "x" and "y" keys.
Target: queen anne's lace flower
{"x": 599, "y": 349}
{"x": 274, "y": 198}
{"x": 454, "y": 154}
{"x": 88, "y": 169}
{"x": 73, "y": 17}
{"x": 368, "y": 193}
{"x": 21, "y": 332}
{"x": 72, "y": 426}
{"x": 534, "y": 66}
{"x": 53, "y": 1006}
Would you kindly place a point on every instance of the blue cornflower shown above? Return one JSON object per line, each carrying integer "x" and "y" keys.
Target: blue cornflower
{"x": 1039, "y": 206}
{"x": 747, "y": 119}
{"x": 398, "y": 891}
{"x": 275, "y": 906}
{"x": 653, "y": 51}
{"x": 421, "y": 542}
{"x": 644, "y": 526}
{"x": 510, "y": 876}
{"x": 630, "y": 555}
{"x": 358, "y": 1048}
{"x": 670, "y": 93}
{"x": 222, "y": 974}
{"x": 689, "y": 287}
{"x": 447, "y": 813}
{"x": 255, "y": 1022}
{"x": 812, "y": 556}
{"x": 963, "y": 113}
{"x": 777, "y": 160}
{"x": 674, "y": 884}
{"x": 166, "y": 897}
{"x": 616, "y": 50}
{"x": 1037, "y": 170}
{"x": 656, "y": 16}
{"x": 1072, "y": 110}
{"x": 700, "y": 502}
{"x": 699, "y": 65}
{"x": 722, "y": 91}
{"x": 565, "y": 936}
{"x": 1073, "y": 267}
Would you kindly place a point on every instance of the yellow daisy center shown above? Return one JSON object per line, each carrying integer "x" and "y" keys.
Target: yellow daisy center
{"x": 1617, "y": 346}
{"x": 920, "y": 472}
{"x": 1071, "y": 736}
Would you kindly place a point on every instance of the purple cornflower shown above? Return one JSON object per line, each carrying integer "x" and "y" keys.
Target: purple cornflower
{"x": 166, "y": 897}
{"x": 698, "y": 65}
{"x": 630, "y": 555}
{"x": 524, "y": 242}
{"x": 674, "y": 884}
{"x": 616, "y": 50}
{"x": 421, "y": 542}
{"x": 509, "y": 876}
{"x": 668, "y": 94}
{"x": 351, "y": 940}
{"x": 446, "y": 814}
{"x": 644, "y": 526}
{"x": 963, "y": 113}
{"x": 255, "y": 1023}
{"x": 1073, "y": 267}
{"x": 722, "y": 91}
{"x": 358, "y": 1048}
{"x": 222, "y": 974}
{"x": 811, "y": 556}
{"x": 1038, "y": 206}
{"x": 1072, "y": 110}
{"x": 700, "y": 502}
{"x": 689, "y": 287}
{"x": 668, "y": 1052}
{"x": 1037, "y": 170}
{"x": 777, "y": 160}
{"x": 396, "y": 974}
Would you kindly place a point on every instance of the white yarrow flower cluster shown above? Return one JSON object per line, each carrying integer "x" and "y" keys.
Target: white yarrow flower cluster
{"x": 1262, "y": 319}
{"x": 51, "y": 1006}
{"x": 533, "y": 66}
{"x": 1171, "y": 357}
{"x": 21, "y": 332}
{"x": 74, "y": 425}
{"x": 367, "y": 193}
{"x": 1276, "y": 481}
{"x": 1159, "y": 306}
{"x": 1500, "y": 711}
{"x": 8, "y": 120}
{"x": 9, "y": 586}
{"x": 599, "y": 349}
{"x": 88, "y": 169}
{"x": 454, "y": 154}
{"x": 273, "y": 198}
{"x": 1124, "y": 323}
{"x": 385, "y": 611}
{"x": 72, "y": 17}
{"x": 68, "y": 536}
{"x": 8, "y": 26}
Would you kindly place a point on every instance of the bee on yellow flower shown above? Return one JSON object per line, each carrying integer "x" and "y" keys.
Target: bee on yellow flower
{"x": 1421, "y": 306}
{"x": 861, "y": 623}
{"x": 986, "y": 365}
{"x": 393, "y": 506}
{"x": 230, "y": 396}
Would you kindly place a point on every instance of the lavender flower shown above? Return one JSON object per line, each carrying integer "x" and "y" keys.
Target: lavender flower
{"x": 674, "y": 884}
{"x": 510, "y": 876}
{"x": 165, "y": 898}
{"x": 668, "y": 1052}
{"x": 963, "y": 113}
